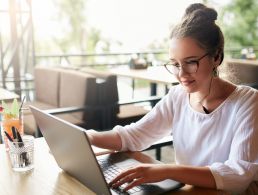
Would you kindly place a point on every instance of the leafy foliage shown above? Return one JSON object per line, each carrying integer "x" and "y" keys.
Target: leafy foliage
{"x": 72, "y": 21}
{"x": 240, "y": 23}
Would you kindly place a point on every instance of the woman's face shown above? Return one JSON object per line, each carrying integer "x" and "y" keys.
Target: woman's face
{"x": 185, "y": 51}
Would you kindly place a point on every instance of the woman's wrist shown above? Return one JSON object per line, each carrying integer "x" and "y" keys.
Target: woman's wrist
{"x": 90, "y": 135}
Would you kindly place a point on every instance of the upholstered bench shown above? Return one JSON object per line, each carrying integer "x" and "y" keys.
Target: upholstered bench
{"x": 59, "y": 91}
{"x": 60, "y": 88}
{"x": 241, "y": 72}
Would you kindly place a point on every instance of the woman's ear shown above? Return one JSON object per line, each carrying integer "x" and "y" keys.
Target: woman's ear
{"x": 218, "y": 58}
{"x": 221, "y": 58}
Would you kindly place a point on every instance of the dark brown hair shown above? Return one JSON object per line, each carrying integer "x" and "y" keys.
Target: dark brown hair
{"x": 198, "y": 23}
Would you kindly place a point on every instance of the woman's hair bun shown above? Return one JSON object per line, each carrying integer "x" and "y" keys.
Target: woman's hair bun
{"x": 191, "y": 8}
{"x": 198, "y": 23}
{"x": 200, "y": 11}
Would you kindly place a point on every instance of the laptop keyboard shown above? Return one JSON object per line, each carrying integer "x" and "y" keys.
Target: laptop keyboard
{"x": 110, "y": 171}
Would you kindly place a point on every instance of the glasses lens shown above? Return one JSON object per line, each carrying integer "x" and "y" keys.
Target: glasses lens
{"x": 191, "y": 67}
{"x": 172, "y": 69}
{"x": 188, "y": 67}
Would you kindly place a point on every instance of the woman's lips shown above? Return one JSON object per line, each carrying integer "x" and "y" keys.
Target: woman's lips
{"x": 187, "y": 82}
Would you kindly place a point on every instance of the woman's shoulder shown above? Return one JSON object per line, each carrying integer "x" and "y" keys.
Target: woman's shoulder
{"x": 245, "y": 92}
{"x": 245, "y": 96}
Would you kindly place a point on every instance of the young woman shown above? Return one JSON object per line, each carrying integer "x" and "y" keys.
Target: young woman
{"x": 214, "y": 122}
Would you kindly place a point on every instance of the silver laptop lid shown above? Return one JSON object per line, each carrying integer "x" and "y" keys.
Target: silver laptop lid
{"x": 71, "y": 150}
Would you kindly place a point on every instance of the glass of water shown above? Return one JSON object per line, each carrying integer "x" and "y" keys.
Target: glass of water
{"x": 22, "y": 154}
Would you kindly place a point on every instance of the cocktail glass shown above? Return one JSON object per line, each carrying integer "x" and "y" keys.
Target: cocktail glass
{"x": 9, "y": 121}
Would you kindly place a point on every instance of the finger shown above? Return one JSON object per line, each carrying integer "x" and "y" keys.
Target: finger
{"x": 122, "y": 175}
{"x": 134, "y": 183}
{"x": 126, "y": 179}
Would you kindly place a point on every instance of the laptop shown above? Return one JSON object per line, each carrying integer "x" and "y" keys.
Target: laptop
{"x": 73, "y": 153}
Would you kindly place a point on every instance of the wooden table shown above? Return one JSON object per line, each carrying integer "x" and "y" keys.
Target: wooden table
{"x": 48, "y": 179}
{"x": 7, "y": 95}
{"x": 153, "y": 74}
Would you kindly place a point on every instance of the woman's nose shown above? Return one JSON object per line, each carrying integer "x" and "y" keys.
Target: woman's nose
{"x": 181, "y": 72}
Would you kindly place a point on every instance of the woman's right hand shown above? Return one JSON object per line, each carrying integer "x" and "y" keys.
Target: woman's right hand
{"x": 144, "y": 173}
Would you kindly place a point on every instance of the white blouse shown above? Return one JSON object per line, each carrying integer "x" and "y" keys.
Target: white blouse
{"x": 226, "y": 140}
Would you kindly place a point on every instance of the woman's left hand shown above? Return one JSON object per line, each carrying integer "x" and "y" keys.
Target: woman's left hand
{"x": 144, "y": 173}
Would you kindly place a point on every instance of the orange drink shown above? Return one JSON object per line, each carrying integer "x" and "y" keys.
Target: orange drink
{"x": 9, "y": 121}
{"x": 11, "y": 117}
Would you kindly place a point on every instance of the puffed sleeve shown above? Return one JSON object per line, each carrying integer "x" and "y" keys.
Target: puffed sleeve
{"x": 241, "y": 168}
{"x": 152, "y": 127}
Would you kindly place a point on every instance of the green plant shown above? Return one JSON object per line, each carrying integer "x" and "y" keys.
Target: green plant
{"x": 12, "y": 111}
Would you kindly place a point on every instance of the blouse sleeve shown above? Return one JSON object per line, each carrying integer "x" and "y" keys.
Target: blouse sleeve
{"x": 152, "y": 127}
{"x": 242, "y": 166}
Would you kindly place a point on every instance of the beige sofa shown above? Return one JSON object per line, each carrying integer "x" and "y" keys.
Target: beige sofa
{"x": 59, "y": 88}
{"x": 241, "y": 71}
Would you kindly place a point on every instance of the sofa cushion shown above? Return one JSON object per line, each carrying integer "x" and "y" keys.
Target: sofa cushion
{"x": 78, "y": 89}
{"x": 241, "y": 71}
{"x": 70, "y": 118}
{"x": 37, "y": 104}
{"x": 131, "y": 110}
{"x": 30, "y": 126}
{"x": 47, "y": 85}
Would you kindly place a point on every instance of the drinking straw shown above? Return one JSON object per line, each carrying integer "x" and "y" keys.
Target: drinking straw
{"x": 22, "y": 103}
{"x": 21, "y": 107}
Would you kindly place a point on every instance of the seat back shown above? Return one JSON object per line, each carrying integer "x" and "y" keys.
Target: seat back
{"x": 242, "y": 72}
{"x": 47, "y": 85}
{"x": 78, "y": 89}
{"x": 107, "y": 91}
{"x": 106, "y": 85}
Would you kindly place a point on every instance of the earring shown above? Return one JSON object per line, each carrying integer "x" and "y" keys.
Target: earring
{"x": 215, "y": 72}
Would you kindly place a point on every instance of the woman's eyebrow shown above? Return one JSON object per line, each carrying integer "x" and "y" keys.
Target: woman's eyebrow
{"x": 186, "y": 58}
{"x": 189, "y": 57}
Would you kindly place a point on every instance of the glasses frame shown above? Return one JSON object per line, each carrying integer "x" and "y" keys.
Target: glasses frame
{"x": 182, "y": 66}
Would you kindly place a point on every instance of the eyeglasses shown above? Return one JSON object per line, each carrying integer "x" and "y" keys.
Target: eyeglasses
{"x": 189, "y": 66}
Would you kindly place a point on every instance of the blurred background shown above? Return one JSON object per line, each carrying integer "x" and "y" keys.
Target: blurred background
{"x": 104, "y": 33}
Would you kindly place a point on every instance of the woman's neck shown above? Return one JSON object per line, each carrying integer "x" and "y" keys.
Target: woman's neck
{"x": 209, "y": 98}
{"x": 202, "y": 96}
